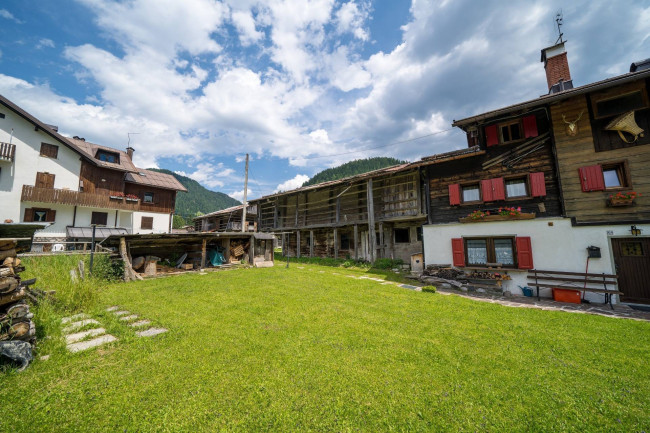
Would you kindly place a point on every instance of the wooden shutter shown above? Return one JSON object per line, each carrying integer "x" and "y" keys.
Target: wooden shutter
{"x": 498, "y": 189}
{"x": 491, "y": 135}
{"x": 524, "y": 253}
{"x": 458, "y": 251}
{"x": 29, "y": 215}
{"x": 41, "y": 180}
{"x": 537, "y": 184}
{"x": 49, "y": 150}
{"x": 530, "y": 127}
{"x": 50, "y": 216}
{"x": 99, "y": 218}
{"x": 146, "y": 223}
{"x": 591, "y": 178}
{"x": 454, "y": 194}
{"x": 486, "y": 190}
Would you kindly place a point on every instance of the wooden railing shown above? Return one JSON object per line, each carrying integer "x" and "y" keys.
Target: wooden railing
{"x": 74, "y": 198}
{"x": 7, "y": 151}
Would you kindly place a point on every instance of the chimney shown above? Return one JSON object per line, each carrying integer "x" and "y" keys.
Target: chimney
{"x": 558, "y": 76}
{"x": 129, "y": 151}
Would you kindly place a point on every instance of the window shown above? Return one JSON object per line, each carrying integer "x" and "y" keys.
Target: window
{"x": 620, "y": 104}
{"x": 44, "y": 180}
{"x": 482, "y": 251}
{"x": 516, "y": 188}
{"x": 99, "y": 218}
{"x": 601, "y": 177}
{"x": 615, "y": 175}
{"x": 345, "y": 241}
{"x": 39, "y": 215}
{"x": 510, "y": 132}
{"x": 402, "y": 236}
{"x": 471, "y": 193}
{"x": 148, "y": 197}
{"x": 49, "y": 150}
{"x": 146, "y": 223}
{"x": 419, "y": 234}
{"x": 102, "y": 155}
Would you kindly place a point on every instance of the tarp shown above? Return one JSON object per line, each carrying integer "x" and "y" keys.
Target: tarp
{"x": 215, "y": 257}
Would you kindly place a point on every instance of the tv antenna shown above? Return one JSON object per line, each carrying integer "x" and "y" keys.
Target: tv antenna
{"x": 129, "y": 134}
{"x": 558, "y": 20}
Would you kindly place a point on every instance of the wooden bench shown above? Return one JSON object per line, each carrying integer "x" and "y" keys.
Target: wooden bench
{"x": 580, "y": 281}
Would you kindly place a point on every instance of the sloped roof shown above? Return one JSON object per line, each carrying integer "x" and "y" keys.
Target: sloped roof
{"x": 90, "y": 150}
{"x": 153, "y": 178}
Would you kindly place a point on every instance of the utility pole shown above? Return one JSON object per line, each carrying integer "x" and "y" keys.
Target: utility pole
{"x": 244, "y": 226}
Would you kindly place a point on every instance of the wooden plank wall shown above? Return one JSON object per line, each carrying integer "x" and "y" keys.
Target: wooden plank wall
{"x": 164, "y": 200}
{"x": 469, "y": 170}
{"x": 578, "y": 151}
{"x": 97, "y": 180}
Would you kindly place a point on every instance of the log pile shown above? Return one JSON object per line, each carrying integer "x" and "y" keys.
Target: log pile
{"x": 444, "y": 271}
{"x": 15, "y": 317}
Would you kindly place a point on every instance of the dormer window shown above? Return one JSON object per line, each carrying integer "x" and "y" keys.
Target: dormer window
{"x": 511, "y": 131}
{"x": 105, "y": 156}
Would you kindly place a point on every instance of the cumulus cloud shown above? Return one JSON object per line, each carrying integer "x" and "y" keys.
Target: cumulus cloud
{"x": 43, "y": 43}
{"x": 293, "y": 183}
{"x": 239, "y": 195}
{"x": 210, "y": 175}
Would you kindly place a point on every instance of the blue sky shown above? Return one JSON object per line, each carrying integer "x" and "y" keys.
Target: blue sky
{"x": 301, "y": 85}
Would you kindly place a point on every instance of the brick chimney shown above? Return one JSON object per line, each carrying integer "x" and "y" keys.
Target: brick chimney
{"x": 558, "y": 76}
{"x": 129, "y": 151}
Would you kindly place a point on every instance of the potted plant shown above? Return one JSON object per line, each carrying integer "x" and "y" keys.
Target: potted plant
{"x": 478, "y": 215}
{"x": 117, "y": 196}
{"x": 622, "y": 198}
{"x": 510, "y": 211}
{"x": 131, "y": 197}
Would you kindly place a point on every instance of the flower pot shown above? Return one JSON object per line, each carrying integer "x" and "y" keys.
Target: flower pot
{"x": 522, "y": 216}
{"x": 621, "y": 201}
{"x": 566, "y": 295}
{"x": 115, "y": 197}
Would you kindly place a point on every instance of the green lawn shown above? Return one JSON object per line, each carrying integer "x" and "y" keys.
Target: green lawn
{"x": 300, "y": 350}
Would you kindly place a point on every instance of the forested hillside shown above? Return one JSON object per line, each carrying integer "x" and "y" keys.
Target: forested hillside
{"x": 351, "y": 168}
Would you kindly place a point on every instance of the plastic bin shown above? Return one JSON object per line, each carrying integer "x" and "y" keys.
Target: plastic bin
{"x": 566, "y": 295}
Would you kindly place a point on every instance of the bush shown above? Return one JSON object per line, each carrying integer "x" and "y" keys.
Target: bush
{"x": 388, "y": 263}
{"x": 106, "y": 269}
{"x": 324, "y": 261}
{"x": 429, "y": 289}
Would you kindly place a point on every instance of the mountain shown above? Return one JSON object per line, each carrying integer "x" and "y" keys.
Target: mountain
{"x": 197, "y": 200}
{"x": 358, "y": 166}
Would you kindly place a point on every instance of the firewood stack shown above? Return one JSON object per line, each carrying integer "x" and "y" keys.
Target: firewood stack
{"x": 15, "y": 317}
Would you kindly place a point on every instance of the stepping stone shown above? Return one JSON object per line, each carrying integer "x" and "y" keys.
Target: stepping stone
{"x": 139, "y": 323}
{"x": 150, "y": 332}
{"x": 84, "y": 345}
{"x": 129, "y": 318}
{"x": 74, "y": 318}
{"x": 121, "y": 313}
{"x": 408, "y": 286}
{"x": 44, "y": 357}
{"x": 79, "y": 324}
{"x": 387, "y": 283}
{"x": 300, "y": 267}
{"x": 113, "y": 308}
{"x": 73, "y": 338}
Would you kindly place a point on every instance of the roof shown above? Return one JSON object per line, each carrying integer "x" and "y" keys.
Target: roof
{"x": 158, "y": 239}
{"x": 100, "y": 232}
{"x": 23, "y": 231}
{"x": 222, "y": 211}
{"x": 90, "y": 150}
{"x": 555, "y": 97}
{"x": 154, "y": 178}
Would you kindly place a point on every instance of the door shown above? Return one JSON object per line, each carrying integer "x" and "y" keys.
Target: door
{"x": 632, "y": 259}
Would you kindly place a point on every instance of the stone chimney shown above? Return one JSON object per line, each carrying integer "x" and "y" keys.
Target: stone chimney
{"x": 558, "y": 76}
{"x": 129, "y": 151}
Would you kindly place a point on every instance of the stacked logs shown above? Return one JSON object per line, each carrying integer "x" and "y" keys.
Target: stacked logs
{"x": 15, "y": 317}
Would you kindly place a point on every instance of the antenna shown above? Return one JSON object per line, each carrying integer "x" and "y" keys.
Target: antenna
{"x": 129, "y": 134}
{"x": 558, "y": 20}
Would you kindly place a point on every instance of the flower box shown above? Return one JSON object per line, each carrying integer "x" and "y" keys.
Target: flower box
{"x": 620, "y": 201}
{"x": 132, "y": 199}
{"x": 115, "y": 197}
{"x": 522, "y": 216}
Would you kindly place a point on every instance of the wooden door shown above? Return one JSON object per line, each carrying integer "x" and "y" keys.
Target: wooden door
{"x": 632, "y": 259}
{"x": 44, "y": 180}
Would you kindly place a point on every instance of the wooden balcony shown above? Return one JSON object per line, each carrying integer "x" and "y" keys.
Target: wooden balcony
{"x": 7, "y": 152}
{"x": 74, "y": 198}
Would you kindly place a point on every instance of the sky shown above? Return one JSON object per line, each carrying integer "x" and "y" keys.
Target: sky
{"x": 300, "y": 85}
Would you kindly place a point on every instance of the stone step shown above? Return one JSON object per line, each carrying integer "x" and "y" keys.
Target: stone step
{"x": 150, "y": 332}
{"x": 74, "y": 318}
{"x": 80, "y": 324}
{"x": 73, "y": 338}
{"x": 85, "y": 345}
{"x": 129, "y": 318}
{"x": 139, "y": 323}
{"x": 121, "y": 313}
{"x": 113, "y": 308}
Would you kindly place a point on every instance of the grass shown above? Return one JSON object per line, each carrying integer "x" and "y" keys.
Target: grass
{"x": 307, "y": 350}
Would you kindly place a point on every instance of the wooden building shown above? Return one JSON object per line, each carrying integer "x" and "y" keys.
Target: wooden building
{"x": 228, "y": 219}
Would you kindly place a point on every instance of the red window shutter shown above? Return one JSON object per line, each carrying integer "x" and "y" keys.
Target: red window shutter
{"x": 537, "y": 184}
{"x": 486, "y": 190}
{"x": 454, "y": 194}
{"x": 498, "y": 189}
{"x": 29, "y": 215}
{"x": 50, "y": 216}
{"x": 524, "y": 253}
{"x": 530, "y": 127}
{"x": 491, "y": 135}
{"x": 591, "y": 178}
{"x": 458, "y": 252}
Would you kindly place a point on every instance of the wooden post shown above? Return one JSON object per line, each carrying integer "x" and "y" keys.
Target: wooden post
{"x": 297, "y": 203}
{"x": 275, "y": 219}
{"x": 356, "y": 242}
{"x": 311, "y": 243}
{"x": 382, "y": 245}
{"x": 297, "y": 243}
{"x": 251, "y": 251}
{"x": 371, "y": 222}
{"x": 336, "y": 243}
{"x": 284, "y": 245}
{"x": 338, "y": 209}
{"x": 203, "y": 253}
{"x": 129, "y": 273}
{"x": 244, "y": 226}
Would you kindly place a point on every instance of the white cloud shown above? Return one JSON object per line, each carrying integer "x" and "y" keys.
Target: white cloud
{"x": 42, "y": 43}
{"x": 245, "y": 24}
{"x": 294, "y": 183}
{"x": 239, "y": 195}
{"x": 351, "y": 18}
{"x": 210, "y": 175}
{"x": 4, "y": 13}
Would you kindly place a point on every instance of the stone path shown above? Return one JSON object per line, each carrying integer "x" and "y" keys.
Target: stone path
{"x": 83, "y": 340}
{"x": 127, "y": 316}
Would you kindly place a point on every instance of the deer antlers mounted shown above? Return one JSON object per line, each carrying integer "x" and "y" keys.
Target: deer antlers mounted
{"x": 572, "y": 127}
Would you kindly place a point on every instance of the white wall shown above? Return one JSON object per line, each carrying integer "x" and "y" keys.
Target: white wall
{"x": 63, "y": 218}
{"x": 556, "y": 247}
{"x": 28, "y": 162}
{"x": 160, "y": 222}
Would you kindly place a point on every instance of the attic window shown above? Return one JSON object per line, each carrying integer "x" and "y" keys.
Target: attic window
{"x": 142, "y": 174}
{"x": 112, "y": 157}
{"x": 619, "y": 105}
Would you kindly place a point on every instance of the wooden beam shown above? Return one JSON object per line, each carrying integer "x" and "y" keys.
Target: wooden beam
{"x": 382, "y": 244}
{"x": 297, "y": 203}
{"x": 338, "y": 209}
{"x": 203, "y": 252}
{"x": 311, "y": 243}
{"x": 336, "y": 243}
{"x": 284, "y": 245}
{"x": 371, "y": 221}
{"x": 129, "y": 273}
{"x": 356, "y": 242}
{"x": 275, "y": 217}
{"x": 251, "y": 251}
{"x": 298, "y": 243}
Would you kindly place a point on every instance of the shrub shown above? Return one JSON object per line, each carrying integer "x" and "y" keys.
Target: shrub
{"x": 429, "y": 289}
{"x": 388, "y": 263}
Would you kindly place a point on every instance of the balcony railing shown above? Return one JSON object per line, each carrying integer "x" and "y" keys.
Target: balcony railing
{"x": 74, "y": 198}
{"x": 7, "y": 152}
